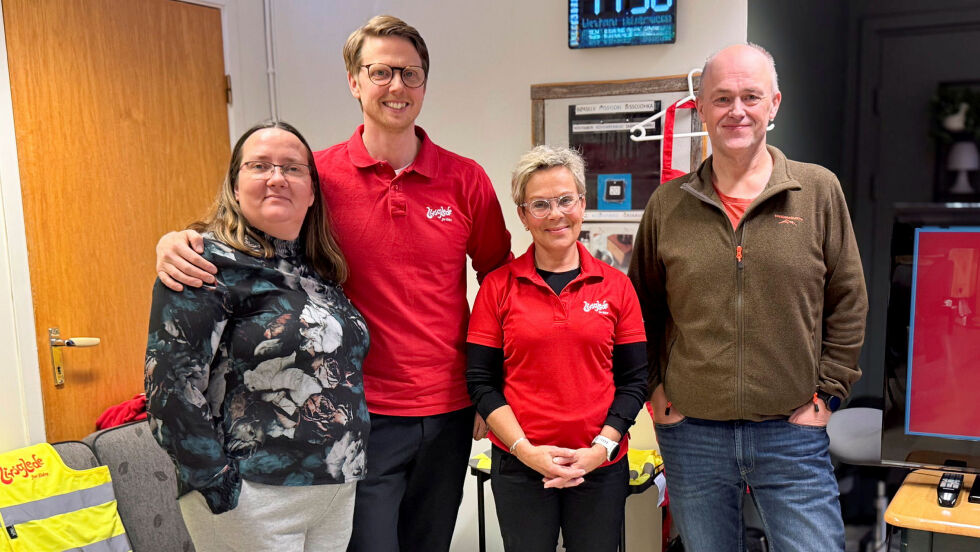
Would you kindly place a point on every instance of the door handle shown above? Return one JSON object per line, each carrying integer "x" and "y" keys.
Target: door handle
{"x": 56, "y": 343}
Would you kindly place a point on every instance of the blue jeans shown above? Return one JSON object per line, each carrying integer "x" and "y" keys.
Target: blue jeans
{"x": 786, "y": 467}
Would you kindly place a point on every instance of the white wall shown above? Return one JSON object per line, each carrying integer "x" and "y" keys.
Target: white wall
{"x": 484, "y": 58}
{"x": 245, "y": 55}
{"x": 20, "y": 391}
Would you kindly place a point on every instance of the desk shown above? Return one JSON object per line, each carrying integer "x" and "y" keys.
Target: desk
{"x": 928, "y": 526}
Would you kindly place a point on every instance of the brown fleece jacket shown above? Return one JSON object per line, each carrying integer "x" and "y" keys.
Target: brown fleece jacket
{"x": 753, "y": 338}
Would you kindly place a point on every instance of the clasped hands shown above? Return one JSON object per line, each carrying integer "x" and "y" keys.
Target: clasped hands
{"x": 561, "y": 467}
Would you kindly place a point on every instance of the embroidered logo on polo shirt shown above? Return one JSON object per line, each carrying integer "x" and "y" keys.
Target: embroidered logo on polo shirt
{"x": 783, "y": 219}
{"x": 601, "y": 307}
{"x": 445, "y": 214}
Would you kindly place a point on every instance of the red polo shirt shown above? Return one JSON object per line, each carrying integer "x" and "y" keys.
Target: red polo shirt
{"x": 406, "y": 239}
{"x": 558, "y": 349}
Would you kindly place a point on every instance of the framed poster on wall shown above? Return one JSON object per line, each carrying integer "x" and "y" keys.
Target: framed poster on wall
{"x": 955, "y": 123}
{"x": 621, "y": 172}
{"x": 610, "y": 242}
{"x": 596, "y": 118}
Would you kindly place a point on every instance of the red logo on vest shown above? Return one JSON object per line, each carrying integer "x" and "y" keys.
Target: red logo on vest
{"x": 24, "y": 468}
{"x": 783, "y": 219}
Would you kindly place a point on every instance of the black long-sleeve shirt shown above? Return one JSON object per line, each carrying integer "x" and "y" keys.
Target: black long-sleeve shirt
{"x": 485, "y": 381}
{"x": 485, "y": 371}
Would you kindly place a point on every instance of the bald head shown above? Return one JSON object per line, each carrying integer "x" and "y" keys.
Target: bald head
{"x": 741, "y": 54}
{"x": 737, "y": 100}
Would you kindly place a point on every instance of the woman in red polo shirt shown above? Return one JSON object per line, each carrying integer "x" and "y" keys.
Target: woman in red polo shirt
{"x": 557, "y": 366}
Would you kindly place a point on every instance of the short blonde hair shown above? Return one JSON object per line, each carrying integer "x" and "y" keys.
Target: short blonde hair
{"x": 546, "y": 157}
{"x": 378, "y": 26}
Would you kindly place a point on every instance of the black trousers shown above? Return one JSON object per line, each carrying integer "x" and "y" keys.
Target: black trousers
{"x": 410, "y": 496}
{"x": 589, "y": 515}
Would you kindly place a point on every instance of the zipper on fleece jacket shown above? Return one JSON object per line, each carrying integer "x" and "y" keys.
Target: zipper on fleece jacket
{"x": 739, "y": 319}
{"x": 739, "y": 240}
{"x": 738, "y": 236}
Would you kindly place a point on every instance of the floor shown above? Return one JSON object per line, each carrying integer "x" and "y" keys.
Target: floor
{"x": 855, "y": 534}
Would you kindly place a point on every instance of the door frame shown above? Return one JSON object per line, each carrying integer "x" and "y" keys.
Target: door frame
{"x": 22, "y": 414}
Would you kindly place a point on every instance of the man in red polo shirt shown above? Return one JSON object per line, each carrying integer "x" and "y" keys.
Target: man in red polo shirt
{"x": 406, "y": 214}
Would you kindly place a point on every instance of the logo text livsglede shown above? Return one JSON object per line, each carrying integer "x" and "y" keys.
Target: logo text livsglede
{"x": 23, "y": 468}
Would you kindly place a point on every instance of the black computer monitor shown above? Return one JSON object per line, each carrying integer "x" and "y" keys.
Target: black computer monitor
{"x": 932, "y": 360}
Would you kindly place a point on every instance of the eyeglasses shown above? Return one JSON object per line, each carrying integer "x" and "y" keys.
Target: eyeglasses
{"x": 382, "y": 73}
{"x": 541, "y": 208}
{"x": 265, "y": 169}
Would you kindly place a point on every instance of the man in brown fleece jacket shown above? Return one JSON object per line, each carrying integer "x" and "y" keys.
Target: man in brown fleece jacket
{"x": 754, "y": 299}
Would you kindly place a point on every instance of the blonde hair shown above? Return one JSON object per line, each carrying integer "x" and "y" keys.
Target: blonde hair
{"x": 229, "y": 225}
{"x": 546, "y": 157}
{"x": 379, "y": 26}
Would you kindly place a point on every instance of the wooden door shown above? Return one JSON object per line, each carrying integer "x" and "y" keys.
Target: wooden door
{"x": 122, "y": 133}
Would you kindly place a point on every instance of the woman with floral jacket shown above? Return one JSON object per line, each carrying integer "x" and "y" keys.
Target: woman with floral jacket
{"x": 254, "y": 383}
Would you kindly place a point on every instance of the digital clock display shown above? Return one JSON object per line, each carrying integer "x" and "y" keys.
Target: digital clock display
{"x": 601, "y": 23}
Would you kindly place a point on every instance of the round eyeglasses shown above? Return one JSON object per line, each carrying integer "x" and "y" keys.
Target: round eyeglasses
{"x": 382, "y": 73}
{"x": 540, "y": 208}
{"x": 265, "y": 169}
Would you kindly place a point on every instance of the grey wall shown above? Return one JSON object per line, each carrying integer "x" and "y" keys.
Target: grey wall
{"x": 808, "y": 39}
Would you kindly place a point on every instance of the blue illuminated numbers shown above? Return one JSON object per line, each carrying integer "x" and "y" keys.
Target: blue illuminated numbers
{"x": 599, "y": 4}
{"x": 638, "y": 7}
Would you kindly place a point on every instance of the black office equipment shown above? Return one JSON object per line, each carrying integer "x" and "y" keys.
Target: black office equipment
{"x": 949, "y": 489}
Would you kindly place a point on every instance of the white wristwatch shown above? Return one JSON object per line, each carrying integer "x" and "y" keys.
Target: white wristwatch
{"x": 612, "y": 447}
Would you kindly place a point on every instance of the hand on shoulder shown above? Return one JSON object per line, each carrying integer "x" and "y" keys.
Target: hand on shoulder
{"x": 179, "y": 261}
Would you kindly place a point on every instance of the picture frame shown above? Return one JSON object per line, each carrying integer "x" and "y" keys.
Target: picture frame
{"x": 595, "y": 117}
{"x": 610, "y": 242}
{"x": 955, "y": 127}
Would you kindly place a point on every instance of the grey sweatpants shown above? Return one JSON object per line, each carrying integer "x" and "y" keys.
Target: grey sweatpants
{"x": 315, "y": 518}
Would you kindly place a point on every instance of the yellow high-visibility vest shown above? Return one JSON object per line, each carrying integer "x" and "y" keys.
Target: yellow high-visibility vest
{"x": 45, "y": 506}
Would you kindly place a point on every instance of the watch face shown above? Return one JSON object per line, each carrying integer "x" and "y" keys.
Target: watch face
{"x": 613, "y": 452}
{"x": 832, "y": 401}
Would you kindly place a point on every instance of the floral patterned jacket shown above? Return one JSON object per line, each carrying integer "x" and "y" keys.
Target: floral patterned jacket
{"x": 257, "y": 376}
